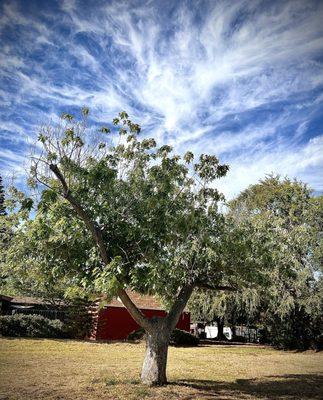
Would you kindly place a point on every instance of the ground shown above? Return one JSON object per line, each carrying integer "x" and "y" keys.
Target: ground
{"x": 64, "y": 370}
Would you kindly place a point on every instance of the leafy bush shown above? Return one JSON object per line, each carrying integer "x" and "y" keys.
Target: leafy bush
{"x": 178, "y": 337}
{"x": 317, "y": 343}
{"x": 296, "y": 331}
{"x": 183, "y": 338}
{"x": 78, "y": 320}
{"x": 137, "y": 334}
{"x": 31, "y": 326}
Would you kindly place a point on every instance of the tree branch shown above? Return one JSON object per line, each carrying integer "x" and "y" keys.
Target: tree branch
{"x": 179, "y": 306}
{"x": 134, "y": 311}
{"x": 136, "y": 314}
{"x": 95, "y": 231}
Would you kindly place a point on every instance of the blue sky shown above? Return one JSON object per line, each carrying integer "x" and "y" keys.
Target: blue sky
{"x": 239, "y": 79}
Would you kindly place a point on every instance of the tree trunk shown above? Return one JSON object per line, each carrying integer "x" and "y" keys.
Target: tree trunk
{"x": 220, "y": 324}
{"x": 154, "y": 366}
{"x": 234, "y": 333}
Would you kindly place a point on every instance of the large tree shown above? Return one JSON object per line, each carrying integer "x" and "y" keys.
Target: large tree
{"x": 291, "y": 305}
{"x": 118, "y": 213}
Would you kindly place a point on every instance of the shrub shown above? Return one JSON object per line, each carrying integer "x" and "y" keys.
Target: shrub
{"x": 78, "y": 320}
{"x": 317, "y": 343}
{"x": 183, "y": 338}
{"x": 178, "y": 337}
{"x": 31, "y": 326}
{"x": 239, "y": 339}
{"x": 137, "y": 334}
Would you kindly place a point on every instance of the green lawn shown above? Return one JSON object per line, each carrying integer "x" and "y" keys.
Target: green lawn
{"x": 61, "y": 369}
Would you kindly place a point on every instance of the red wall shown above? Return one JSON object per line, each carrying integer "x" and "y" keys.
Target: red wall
{"x": 115, "y": 323}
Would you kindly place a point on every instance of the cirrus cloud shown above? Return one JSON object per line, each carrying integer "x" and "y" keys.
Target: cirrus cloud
{"x": 240, "y": 79}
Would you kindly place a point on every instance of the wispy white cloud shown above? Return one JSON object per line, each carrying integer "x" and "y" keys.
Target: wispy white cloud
{"x": 239, "y": 79}
{"x": 304, "y": 162}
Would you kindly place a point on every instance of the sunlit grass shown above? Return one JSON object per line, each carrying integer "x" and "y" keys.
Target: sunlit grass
{"x": 59, "y": 369}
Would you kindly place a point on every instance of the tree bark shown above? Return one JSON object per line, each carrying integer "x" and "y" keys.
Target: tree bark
{"x": 220, "y": 324}
{"x": 157, "y": 340}
{"x": 155, "y": 361}
{"x": 234, "y": 333}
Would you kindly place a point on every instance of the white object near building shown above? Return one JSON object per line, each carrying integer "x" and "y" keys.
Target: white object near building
{"x": 212, "y": 332}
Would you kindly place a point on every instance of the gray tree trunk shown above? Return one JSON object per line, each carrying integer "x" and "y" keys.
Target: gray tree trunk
{"x": 157, "y": 340}
{"x": 154, "y": 366}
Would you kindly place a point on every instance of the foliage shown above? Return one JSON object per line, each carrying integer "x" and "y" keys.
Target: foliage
{"x": 183, "y": 338}
{"x": 226, "y": 309}
{"x": 78, "y": 322}
{"x": 157, "y": 215}
{"x": 207, "y": 306}
{"x": 291, "y": 306}
{"x": 34, "y": 263}
{"x": 288, "y": 306}
{"x": 31, "y": 326}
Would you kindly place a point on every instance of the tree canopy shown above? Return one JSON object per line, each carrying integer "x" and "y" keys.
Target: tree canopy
{"x": 117, "y": 212}
{"x": 290, "y": 304}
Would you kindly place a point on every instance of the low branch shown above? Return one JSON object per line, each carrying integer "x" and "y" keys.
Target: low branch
{"x": 134, "y": 311}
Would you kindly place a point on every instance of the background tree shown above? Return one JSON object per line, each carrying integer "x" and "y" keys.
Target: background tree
{"x": 124, "y": 213}
{"x": 291, "y": 305}
{"x": 225, "y": 308}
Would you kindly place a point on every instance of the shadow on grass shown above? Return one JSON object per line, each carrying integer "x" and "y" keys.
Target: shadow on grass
{"x": 307, "y": 386}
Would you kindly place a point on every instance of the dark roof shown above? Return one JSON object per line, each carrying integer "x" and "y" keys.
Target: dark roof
{"x": 24, "y": 300}
{"x": 142, "y": 301}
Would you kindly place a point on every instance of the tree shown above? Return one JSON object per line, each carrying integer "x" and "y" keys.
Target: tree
{"x": 231, "y": 309}
{"x": 291, "y": 305}
{"x": 129, "y": 214}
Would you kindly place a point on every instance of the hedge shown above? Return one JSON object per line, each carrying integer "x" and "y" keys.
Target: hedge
{"x": 183, "y": 338}
{"x": 177, "y": 338}
{"x": 29, "y": 325}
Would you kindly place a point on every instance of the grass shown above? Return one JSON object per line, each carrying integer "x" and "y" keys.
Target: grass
{"x": 75, "y": 370}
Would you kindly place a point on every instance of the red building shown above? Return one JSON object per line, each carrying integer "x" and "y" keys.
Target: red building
{"x": 115, "y": 323}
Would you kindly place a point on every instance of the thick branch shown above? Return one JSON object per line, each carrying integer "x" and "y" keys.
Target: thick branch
{"x": 179, "y": 306}
{"x": 134, "y": 311}
{"x": 136, "y": 314}
{"x": 95, "y": 231}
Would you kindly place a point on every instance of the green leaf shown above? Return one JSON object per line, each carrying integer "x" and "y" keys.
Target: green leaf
{"x": 67, "y": 117}
{"x": 85, "y": 111}
{"x": 104, "y": 129}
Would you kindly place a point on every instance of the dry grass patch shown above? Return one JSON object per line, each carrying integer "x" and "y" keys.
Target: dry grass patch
{"x": 65, "y": 370}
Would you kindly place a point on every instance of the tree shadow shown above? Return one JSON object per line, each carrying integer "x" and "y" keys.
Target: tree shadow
{"x": 279, "y": 387}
